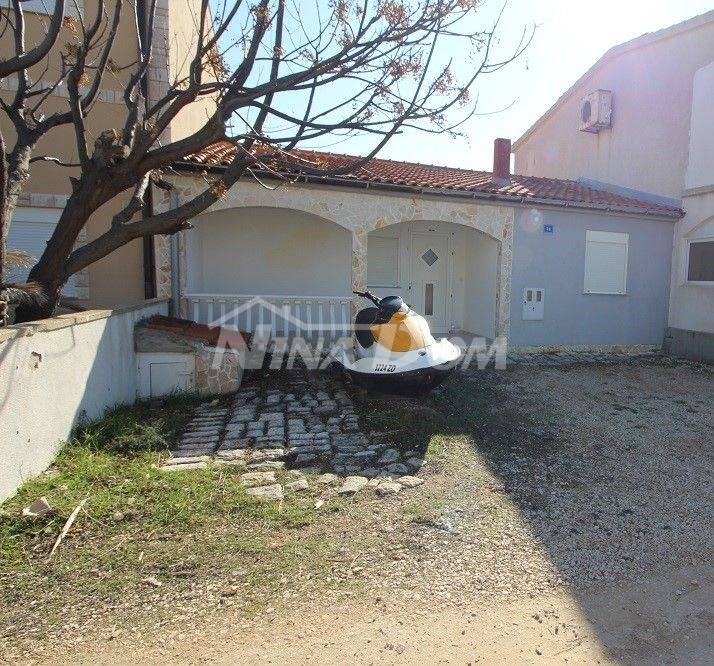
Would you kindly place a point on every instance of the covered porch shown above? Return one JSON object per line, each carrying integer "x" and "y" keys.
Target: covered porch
{"x": 291, "y": 257}
{"x": 259, "y": 266}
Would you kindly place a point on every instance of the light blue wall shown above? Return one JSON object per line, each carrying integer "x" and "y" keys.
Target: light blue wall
{"x": 556, "y": 262}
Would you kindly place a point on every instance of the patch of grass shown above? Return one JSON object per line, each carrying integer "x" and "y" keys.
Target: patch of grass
{"x": 138, "y": 522}
{"x": 424, "y": 511}
{"x": 139, "y": 428}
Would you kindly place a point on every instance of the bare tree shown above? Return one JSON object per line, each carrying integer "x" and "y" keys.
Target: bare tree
{"x": 279, "y": 73}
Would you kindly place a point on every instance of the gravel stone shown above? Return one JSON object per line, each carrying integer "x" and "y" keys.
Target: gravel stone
{"x": 298, "y": 486}
{"x": 352, "y": 485}
{"x": 183, "y": 468}
{"x": 273, "y": 492}
{"x": 252, "y": 479}
{"x": 387, "y": 487}
{"x": 389, "y": 456}
{"x": 397, "y": 469}
{"x": 410, "y": 481}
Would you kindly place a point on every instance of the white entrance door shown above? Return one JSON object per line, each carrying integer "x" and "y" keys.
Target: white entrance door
{"x": 429, "y": 272}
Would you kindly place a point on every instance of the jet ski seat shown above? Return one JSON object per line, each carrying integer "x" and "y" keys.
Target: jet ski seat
{"x": 363, "y": 320}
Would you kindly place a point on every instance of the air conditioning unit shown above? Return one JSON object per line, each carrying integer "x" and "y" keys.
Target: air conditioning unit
{"x": 596, "y": 111}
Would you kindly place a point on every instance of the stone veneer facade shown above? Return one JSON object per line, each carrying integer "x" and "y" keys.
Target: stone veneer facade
{"x": 359, "y": 211}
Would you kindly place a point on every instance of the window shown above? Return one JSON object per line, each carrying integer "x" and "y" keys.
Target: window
{"x": 606, "y": 262}
{"x": 37, "y": 6}
{"x": 700, "y": 267}
{"x": 30, "y": 230}
{"x": 382, "y": 261}
{"x": 428, "y": 299}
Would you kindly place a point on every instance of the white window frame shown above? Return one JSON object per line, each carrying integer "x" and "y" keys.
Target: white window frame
{"x": 46, "y": 7}
{"x": 687, "y": 246}
{"x": 592, "y": 235}
{"x": 398, "y": 261}
{"x": 44, "y": 215}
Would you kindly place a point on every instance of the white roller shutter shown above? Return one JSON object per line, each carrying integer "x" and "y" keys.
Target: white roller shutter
{"x": 382, "y": 261}
{"x": 606, "y": 262}
{"x": 30, "y": 230}
{"x": 36, "y": 6}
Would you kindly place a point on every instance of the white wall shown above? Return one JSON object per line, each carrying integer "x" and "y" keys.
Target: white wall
{"x": 691, "y": 307}
{"x": 646, "y": 148}
{"x": 700, "y": 169}
{"x": 481, "y": 285}
{"x": 269, "y": 251}
{"x": 56, "y": 372}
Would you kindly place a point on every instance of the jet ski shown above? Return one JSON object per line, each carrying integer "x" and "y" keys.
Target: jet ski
{"x": 393, "y": 349}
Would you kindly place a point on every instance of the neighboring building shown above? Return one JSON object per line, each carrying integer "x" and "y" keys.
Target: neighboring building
{"x": 691, "y": 308}
{"x": 643, "y": 142}
{"x": 46, "y": 192}
{"x": 640, "y": 123}
{"x": 542, "y": 261}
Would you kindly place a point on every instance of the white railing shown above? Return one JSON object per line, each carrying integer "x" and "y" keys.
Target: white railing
{"x": 327, "y": 316}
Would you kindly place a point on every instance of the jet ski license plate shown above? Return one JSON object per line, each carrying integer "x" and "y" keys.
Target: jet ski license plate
{"x": 385, "y": 367}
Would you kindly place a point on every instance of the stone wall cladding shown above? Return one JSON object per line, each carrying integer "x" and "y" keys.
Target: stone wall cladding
{"x": 217, "y": 372}
{"x": 358, "y": 211}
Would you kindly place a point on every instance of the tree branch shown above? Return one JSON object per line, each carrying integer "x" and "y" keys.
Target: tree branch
{"x": 23, "y": 60}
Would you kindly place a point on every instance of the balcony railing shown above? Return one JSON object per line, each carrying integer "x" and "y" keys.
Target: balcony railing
{"x": 325, "y": 316}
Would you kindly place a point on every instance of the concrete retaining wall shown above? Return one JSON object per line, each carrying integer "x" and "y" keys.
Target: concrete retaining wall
{"x": 693, "y": 345}
{"x": 57, "y": 372}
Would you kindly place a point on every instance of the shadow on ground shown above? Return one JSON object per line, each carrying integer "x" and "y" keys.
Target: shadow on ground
{"x": 609, "y": 466}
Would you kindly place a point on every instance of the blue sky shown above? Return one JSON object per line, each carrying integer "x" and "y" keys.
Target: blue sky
{"x": 571, "y": 35}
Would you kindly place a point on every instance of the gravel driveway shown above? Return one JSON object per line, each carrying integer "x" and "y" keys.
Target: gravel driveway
{"x": 575, "y": 475}
{"x": 550, "y": 489}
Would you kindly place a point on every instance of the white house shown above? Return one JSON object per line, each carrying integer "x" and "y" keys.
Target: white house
{"x": 691, "y": 309}
{"x": 539, "y": 260}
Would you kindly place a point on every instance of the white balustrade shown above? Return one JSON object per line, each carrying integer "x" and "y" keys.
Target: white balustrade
{"x": 324, "y": 316}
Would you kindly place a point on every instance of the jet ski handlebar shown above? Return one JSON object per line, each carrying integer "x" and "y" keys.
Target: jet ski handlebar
{"x": 368, "y": 295}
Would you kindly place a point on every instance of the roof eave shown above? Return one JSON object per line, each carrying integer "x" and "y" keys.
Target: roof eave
{"x": 462, "y": 194}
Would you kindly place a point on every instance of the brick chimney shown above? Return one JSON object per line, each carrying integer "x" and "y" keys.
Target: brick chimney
{"x": 502, "y": 161}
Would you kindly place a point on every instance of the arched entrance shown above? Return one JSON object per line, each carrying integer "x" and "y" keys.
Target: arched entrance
{"x": 251, "y": 265}
{"x": 446, "y": 271}
{"x": 359, "y": 213}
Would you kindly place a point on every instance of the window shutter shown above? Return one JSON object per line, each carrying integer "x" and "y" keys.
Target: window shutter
{"x": 606, "y": 262}
{"x": 38, "y": 6}
{"x": 30, "y": 230}
{"x": 382, "y": 261}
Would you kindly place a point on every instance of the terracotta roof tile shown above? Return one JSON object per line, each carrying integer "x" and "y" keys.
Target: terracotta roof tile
{"x": 212, "y": 336}
{"x": 428, "y": 177}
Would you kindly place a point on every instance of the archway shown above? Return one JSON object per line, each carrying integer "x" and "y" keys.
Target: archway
{"x": 249, "y": 265}
{"x": 446, "y": 271}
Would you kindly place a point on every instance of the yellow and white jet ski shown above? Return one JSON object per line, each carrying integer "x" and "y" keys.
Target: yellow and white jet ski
{"x": 393, "y": 348}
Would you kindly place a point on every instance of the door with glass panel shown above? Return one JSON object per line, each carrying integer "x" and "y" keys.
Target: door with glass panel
{"x": 429, "y": 275}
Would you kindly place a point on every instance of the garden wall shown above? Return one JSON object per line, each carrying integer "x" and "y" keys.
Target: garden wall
{"x": 58, "y": 372}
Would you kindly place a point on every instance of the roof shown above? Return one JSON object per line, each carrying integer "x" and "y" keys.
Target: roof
{"x": 212, "y": 336}
{"x": 409, "y": 176}
{"x": 614, "y": 52}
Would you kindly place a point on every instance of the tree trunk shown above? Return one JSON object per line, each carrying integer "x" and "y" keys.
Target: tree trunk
{"x": 38, "y": 301}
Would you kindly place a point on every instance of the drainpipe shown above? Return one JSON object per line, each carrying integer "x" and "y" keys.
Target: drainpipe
{"x": 149, "y": 255}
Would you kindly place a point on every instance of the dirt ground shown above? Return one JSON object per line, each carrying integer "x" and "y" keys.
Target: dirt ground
{"x": 660, "y": 620}
{"x": 566, "y": 515}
